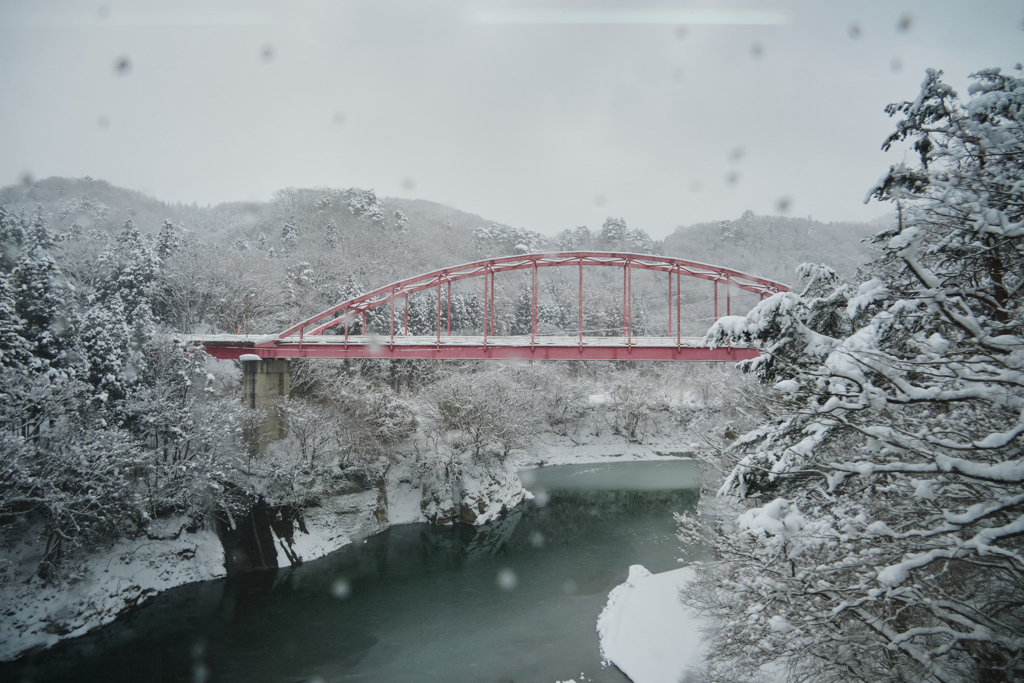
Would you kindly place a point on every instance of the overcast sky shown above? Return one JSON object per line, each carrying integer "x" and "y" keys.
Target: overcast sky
{"x": 544, "y": 115}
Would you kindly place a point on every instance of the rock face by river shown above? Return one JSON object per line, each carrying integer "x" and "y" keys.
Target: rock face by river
{"x": 469, "y": 493}
{"x": 457, "y": 490}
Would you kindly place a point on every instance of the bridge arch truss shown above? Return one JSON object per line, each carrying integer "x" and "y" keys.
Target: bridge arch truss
{"x": 307, "y": 338}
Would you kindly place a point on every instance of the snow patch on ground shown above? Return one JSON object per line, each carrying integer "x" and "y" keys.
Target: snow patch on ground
{"x": 646, "y": 631}
{"x": 105, "y": 585}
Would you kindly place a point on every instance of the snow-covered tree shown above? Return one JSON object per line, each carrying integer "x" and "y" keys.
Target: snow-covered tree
{"x": 169, "y": 240}
{"x": 574, "y": 240}
{"x": 15, "y": 350}
{"x": 44, "y": 303}
{"x": 400, "y": 221}
{"x": 503, "y": 240}
{"x": 489, "y": 413}
{"x": 882, "y": 532}
{"x": 289, "y": 236}
{"x": 331, "y": 236}
{"x": 364, "y": 203}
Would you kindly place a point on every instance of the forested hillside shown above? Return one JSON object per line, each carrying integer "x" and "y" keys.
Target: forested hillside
{"x": 257, "y": 267}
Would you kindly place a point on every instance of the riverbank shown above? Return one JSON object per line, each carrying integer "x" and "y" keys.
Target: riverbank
{"x": 646, "y": 632}
{"x": 107, "y": 584}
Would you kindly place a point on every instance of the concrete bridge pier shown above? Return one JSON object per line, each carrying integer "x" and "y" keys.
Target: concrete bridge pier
{"x": 263, "y": 382}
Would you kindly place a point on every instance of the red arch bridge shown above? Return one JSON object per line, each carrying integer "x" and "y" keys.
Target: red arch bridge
{"x": 331, "y": 333}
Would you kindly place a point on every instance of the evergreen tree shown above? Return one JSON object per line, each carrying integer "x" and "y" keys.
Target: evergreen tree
{"x": 107, "y": 340}
{"x": 289, "y": 236}
{"x": 44, "y": 302}
{"x": 331, "y": 236}
{"x": 15, "y": 350}
{"x": 168, "y": 241}
{"x": 12, "y": 238}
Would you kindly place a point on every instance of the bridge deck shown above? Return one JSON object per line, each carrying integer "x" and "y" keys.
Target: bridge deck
{"x": 230, "y": 346}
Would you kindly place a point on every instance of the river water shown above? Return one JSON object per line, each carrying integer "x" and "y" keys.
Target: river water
{"x": 514, "y": 600}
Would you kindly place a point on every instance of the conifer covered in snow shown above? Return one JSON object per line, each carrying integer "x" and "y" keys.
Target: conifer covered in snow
{"x": 882, "y": 534}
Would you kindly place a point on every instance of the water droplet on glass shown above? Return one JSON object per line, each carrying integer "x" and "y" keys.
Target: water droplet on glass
{"x": 537, "y": 539}
{"x": 102, "y": 121}
{"x": 26, "y": 178}
{"x": 103, "y": 12}
{"x": 341, "y": 589}
{"x": 732, "y": 177}
{"x": 122, "y": 65}
{"x": 680, "y": 32}
{"x": 507, "y": 580}
{"x": 408, "y": 184}
{"x": 541, "y": 498}
{"x": 528, "y": 477}
{"x": 600, "y": 200}
{"x": 895, "y": 65}
{"x": 339, "y": 118}
{"x": 783, "y": 204}
{"x": 570, "y": 587}
{"x": 756, "y": 50}
{"x": 736, "y": 153}
{"x": 267, "y": 53}
{"x": 374, "y": 345}
{"x": 854, "y": 31}
{"x": 905, "y": 22}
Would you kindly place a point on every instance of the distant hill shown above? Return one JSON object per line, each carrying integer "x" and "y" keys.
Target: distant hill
{"x": 307, "y": 248}
{"x": 773, "y": 246}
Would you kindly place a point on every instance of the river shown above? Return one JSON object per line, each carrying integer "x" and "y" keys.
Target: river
{"x": 514, "y": 600}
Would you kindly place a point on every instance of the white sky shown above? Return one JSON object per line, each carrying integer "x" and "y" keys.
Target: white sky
{"x": 539, "y": 125}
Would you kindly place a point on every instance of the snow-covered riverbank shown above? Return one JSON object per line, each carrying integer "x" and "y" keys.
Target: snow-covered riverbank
{"x": 647, "y": 632}
{"x": 109, "y": 583}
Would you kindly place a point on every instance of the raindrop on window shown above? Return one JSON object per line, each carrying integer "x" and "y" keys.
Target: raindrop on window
{"x": 736, "y": 153}
{"x": 341, "y": 589}
{"x": 541, "y": 498}
{"x": 122, "y": 65}
{"x": 103, "y": 12}
{"x": 537, "y": 539}
{"x": 756, "y": 50}
{"x": 732, "y": 177}
{"x": 783, "y": 204}
{"x": 507, "y": 580}
{"x": 895, "y": 65}
{"x": 570, "y": 587}
{"x": 854, "y": 31}
{"x": 680, "y": 32}
{"x": 103, "y": 122}
{"x": 905, "y": 22}
{"x": 267, "y": 53}
{"x": 339, "y": 117}
{"x": 600, "y": 200}
{"x": 26, "y": 178}
{"x": 408, "y": 184}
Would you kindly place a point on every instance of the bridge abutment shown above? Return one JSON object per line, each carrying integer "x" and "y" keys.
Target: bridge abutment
{"x": 263, "y": 382}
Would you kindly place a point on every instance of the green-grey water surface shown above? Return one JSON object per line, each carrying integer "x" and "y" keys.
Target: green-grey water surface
{"x": 514, "y": 600}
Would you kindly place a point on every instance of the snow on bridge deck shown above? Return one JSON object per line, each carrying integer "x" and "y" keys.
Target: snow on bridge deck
{"x": 231, "y": 346}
